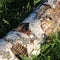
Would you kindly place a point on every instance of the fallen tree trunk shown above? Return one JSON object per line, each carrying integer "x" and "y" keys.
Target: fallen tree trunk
{"x": 27, "y": 38}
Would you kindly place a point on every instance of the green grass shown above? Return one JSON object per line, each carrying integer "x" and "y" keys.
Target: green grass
{"x": 50, "y": 50}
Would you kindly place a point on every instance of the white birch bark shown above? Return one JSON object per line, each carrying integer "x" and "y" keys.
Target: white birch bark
{"x": 14, "y": 37}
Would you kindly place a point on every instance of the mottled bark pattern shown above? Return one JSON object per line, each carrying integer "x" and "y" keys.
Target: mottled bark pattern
{"x": 27, "y": 38}
{"x": 19, "y": 49}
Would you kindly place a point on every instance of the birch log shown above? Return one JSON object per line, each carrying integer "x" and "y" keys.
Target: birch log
{"x": 27, "y": 38}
